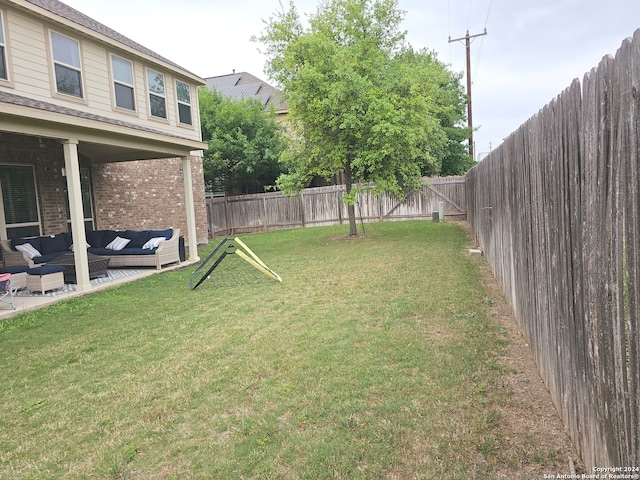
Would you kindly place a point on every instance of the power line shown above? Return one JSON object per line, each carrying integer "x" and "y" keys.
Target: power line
{"x": 486, "y": 22}
{"x": 488, "y": 12}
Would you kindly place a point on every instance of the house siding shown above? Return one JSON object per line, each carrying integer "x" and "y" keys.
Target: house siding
{"x": 125, "y": 194}
{"x": 30, "y": 64}
{"x": 32, "y": 75}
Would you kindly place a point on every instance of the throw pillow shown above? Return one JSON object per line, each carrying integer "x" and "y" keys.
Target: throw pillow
{"x": 118, "y": 243}
{"x": 34, "y": 241}
{"x": 87, "y": 246}
{"x": 29, "y": 250}
{"x": 107, "y": 238}
{"x": 153, "y": 242}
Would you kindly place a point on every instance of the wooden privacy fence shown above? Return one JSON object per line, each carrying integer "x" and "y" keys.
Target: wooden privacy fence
{"x": 556, "y": 209}
{"x": 324, "y": 206}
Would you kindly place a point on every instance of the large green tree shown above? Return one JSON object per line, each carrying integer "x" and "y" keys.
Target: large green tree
{"x": 361, "y": 101}
{"x": 245, "y": 143}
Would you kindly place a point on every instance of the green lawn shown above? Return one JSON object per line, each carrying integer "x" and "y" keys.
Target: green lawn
{"x": 375, "y": 358}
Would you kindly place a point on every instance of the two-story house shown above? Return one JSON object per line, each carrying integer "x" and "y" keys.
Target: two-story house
{"x": 96, "y": 131}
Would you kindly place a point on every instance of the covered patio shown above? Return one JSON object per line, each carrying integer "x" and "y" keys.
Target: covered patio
{"x": 97, "y": 141}
{"x": 24, "y": 301}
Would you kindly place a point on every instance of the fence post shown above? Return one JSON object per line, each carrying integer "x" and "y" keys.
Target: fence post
{"x": 226, "y": 215}
{"x": 441, "y": 211}
{"x": 265, "y": 222}
{"x": 302, "y": 215}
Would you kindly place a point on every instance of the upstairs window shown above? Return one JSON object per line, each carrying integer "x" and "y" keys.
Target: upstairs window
{"x": 184, "y": 103}
{"x": 157, "y": 99}
{"x": 66, "y": 62}
{"x": 122, "y": 71}
{"x": 4, "y": 75}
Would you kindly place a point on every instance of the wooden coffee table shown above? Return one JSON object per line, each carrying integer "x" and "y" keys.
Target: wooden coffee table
{"x": 97, "y": 266}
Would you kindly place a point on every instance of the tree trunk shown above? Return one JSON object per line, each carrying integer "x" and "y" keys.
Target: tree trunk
{"x": 351, "y": 209}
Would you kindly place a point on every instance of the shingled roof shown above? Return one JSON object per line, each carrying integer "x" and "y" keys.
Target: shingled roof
{"x": 65, "y": 11}
{"x": 18, "y": 100}
{"x": 245, "y": 85}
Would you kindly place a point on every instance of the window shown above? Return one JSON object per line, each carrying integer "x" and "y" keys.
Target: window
{"x": 66, "y": 63}
{"x": 19, "y": 201}
{"x": 4, "y": 75}
{"x": 87, "y": 204}
{"x": 157, "y": 101}
{"x": 122, "y": 71}
{"x": 184, "y": 103}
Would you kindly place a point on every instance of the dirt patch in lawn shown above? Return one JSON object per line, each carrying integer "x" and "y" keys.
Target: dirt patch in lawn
{"x": 532, "y": 431}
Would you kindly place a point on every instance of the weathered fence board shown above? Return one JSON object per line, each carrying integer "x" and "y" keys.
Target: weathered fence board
{"x": 325, "y": 206}
{"x": 556, "y": 209}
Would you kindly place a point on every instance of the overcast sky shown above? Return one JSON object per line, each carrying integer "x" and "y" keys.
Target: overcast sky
{"x": 532, "y": 52}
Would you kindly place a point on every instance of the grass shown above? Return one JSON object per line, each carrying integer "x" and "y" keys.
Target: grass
{"x": 375, "y": 358}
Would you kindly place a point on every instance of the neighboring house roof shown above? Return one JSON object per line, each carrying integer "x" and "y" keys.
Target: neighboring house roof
{"x": 245, "y": 85}
{"x": 65, "y": 11}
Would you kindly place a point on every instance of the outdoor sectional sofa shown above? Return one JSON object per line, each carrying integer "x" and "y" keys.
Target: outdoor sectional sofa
{"x": 126, "y": 248}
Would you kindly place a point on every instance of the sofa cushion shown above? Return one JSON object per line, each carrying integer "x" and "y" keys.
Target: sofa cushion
{"x": 68, "y": 239}
{"x": 137, "y": 251}
{"x": 14, "y": 269}
{"x": 29, "y": 249}
{"x": 125, "y": 251}
{"x": 35, "y": 242}
{"x": 52, "y": 244}
{"x": 102, "y": 251}
{"x": 45, "y": 270}
{"x": 48, "y": 258}
{"x": 95, "y": 238}
{"x": 138, "y": 238}
{"x": 168, "y": 233}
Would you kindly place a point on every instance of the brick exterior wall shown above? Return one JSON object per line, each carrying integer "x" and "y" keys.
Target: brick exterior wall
{"x": 135, "y": 195}
{"x": 147, "y": 194}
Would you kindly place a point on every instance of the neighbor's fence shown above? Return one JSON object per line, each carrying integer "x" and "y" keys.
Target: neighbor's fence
{"x": 324, "y": 206}
{"x": 556, "y": 209}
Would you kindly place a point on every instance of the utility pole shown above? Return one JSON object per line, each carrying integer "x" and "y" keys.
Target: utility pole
{"x": 467, "y": 40}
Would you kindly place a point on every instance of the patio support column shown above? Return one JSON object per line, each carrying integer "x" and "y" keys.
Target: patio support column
{"x": 72, "y": 167}
{"x": 192, "y": 233}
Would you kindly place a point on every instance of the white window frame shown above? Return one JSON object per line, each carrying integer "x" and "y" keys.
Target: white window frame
{"x": 152, "y": 93}
{"x": 123, "y": 83}
{"x": 76, "y": 68}
{"x": 181, "y": 102}
{"x": 4, "y": 47}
